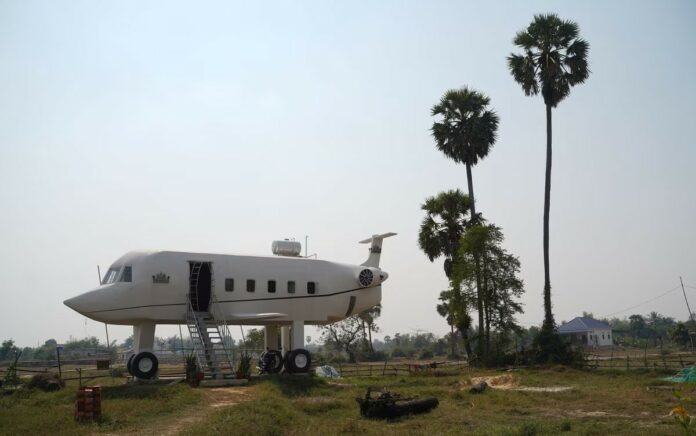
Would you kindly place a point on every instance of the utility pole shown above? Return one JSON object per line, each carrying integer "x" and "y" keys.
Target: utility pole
{"x": 691, "y": 317}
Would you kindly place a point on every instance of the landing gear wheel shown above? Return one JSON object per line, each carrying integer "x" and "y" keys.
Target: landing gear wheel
{"x": 271, "y": 362}
{"x": 144, "y": 365}
{"x": 298, "y": 361}
{"x": 129, "y": 365}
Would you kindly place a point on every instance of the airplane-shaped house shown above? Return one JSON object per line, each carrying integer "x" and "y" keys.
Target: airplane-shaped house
{"x": 209, "y": 292}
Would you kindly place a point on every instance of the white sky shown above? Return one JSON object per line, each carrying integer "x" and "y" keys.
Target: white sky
{"x": 220, "y": 126}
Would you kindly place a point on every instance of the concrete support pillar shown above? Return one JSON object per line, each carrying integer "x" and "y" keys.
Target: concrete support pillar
{"x": 143, "y": 337}
{"x": 285, "y": 339}
{"x": 297, "y": 334}
{"x": 270, "y": 336}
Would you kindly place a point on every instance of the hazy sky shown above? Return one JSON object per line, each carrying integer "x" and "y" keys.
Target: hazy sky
{"x": 220, "y": 126}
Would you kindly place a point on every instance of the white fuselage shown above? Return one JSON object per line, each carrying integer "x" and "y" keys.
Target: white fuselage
{"x": 160, "y": 286}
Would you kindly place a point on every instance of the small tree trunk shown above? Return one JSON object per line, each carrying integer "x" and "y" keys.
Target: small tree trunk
{"x": 479, "y": 292}
{"x": 369, "y": 333}
{"x": 549, "y": 322}
{"x": 467, "y": 344}
{"x": 452, "y": 339}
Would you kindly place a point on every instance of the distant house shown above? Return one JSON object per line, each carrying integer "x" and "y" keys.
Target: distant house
{"x": 587, "y": 331}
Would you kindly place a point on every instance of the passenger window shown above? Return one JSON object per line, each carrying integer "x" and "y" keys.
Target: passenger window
{"x": 271, "y": 286}
{"x": 229, "y": 285}
{"x": 311, "y": 288}
{"x": 291, "y": 287}
{"x": 127, "y": 274}
{"x": 251, "y": 285}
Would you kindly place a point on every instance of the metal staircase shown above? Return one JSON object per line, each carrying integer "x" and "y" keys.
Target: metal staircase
{"x": 210, "y": 335}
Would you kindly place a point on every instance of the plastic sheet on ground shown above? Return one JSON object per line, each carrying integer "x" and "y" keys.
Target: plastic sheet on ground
{"x": 686, "y": 375}
{"x": 327, "y": 371}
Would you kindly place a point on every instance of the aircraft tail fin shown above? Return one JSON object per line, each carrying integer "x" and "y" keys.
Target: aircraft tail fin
{"x": 375, "y": 249}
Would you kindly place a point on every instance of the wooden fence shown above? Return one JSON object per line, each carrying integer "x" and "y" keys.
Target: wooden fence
{"x": 397, "y": 368}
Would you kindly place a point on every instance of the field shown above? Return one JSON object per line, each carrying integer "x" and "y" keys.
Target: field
{"x": 598, "y": 402}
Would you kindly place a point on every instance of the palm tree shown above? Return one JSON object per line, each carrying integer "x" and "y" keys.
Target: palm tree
{"x": 465, "y": 133}
{"x": 369, "y": 318}
{"x": 446, "y": 219}
{"x": 466, "y": 130}
{"x": 554, "y": 60}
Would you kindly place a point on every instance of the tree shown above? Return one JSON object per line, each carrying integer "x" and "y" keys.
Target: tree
{"x": 466, "y": 130}
{"x": 481, "y": 256}
{"x": 344, "y": 335}
{"x": 369, "y": 318}
{"x": 554, "y": 60}
{"x": 679, "y": 334}
{"x": 446, "y": 219}
{"x": 8, "y": 349}
{"x": 443, "y": 309}
{"x": 465, "y": 133}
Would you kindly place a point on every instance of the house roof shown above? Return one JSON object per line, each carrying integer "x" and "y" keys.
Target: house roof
{"x": 583, "y": 324}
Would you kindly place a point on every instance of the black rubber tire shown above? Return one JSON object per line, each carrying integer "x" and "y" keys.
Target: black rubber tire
{"x": 296, "y": 356}
{"x": 277, "y": 360}
{"x": 129, "y": 363}
{"x": 144, "y": 374}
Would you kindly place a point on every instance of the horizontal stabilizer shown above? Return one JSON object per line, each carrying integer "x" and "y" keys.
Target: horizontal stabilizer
{"x": 382, "y": 236}
{"x": 257, "y": 315}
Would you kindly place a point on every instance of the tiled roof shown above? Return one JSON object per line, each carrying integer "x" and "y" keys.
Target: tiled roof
{"x": 583, "y": 324}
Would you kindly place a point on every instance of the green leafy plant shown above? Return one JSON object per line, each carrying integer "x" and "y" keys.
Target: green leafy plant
{"x": 686, "y": 421}
{"x": 192, "y": 370}
{"x": 244, "y": 367}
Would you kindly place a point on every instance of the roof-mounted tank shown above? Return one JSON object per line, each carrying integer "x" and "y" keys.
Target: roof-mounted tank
{"x": 287, "y": 248}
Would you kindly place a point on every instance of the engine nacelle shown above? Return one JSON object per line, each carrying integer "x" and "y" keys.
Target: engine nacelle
{"x": 371, "y": 276}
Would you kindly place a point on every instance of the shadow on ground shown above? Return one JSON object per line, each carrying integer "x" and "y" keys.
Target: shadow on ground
{"x": 295, "y": 385}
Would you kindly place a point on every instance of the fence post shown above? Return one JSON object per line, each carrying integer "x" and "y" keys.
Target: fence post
{"x": 60, "y": 371}
{"x": 385, "y": 368}
{"x": 79, "y": 372}
{"x": 628, "y": 365}
{"x": 611, "y": 358}
{"x": 645, "y": 354}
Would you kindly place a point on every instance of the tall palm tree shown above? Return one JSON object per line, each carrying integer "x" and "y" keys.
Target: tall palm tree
{"x": 554, "y": 59}
{"x": 466, "y": 130}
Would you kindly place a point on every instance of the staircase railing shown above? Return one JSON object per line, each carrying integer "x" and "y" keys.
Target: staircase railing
{"x": 196, "y": 337}
{"x": 223, "y": 328}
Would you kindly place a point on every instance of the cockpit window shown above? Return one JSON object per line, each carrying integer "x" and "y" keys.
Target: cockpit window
{"x": 111, "y": 275}
{"x": 127, "y": 274}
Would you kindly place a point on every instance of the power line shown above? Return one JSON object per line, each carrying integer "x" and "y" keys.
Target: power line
{"x": 644, "y": 302}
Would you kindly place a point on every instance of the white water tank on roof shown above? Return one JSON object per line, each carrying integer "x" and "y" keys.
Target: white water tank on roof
{"x": 286, "y": 248}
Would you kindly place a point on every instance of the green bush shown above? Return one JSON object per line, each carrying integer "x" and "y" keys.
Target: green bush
{"x": 398, "y": 352}
{"x": 426, "y": 354}
{"x": 46, "y": 382}
{"x": 374, "y": 356}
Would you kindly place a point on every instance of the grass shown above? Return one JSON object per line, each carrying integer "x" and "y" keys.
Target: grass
{"x": 124, "y": 408}
{"x": 600, "y": 403}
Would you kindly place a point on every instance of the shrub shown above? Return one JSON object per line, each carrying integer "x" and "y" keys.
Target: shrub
{"x": 426, "y": 354}
{"x": 398, "y": 352}
{"x": 549, "y": 347}
{"x": 46, "y": 382}
{"x": 374, "y": 356}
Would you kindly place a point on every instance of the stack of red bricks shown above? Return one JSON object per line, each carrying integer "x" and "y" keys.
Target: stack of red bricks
{"x": 88, "y": 403}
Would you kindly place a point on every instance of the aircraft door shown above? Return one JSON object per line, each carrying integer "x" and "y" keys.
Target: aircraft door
{"x": 200, "y": 285}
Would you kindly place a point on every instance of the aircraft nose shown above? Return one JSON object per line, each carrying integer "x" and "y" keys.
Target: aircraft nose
{"x": 75, "y": 303}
